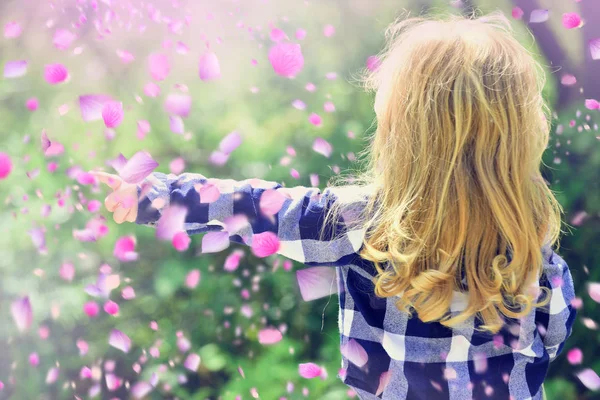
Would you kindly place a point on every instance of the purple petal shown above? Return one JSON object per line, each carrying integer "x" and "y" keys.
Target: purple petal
{"x": 286, "y": 59}
{"x": 230, "y": 142}
{"x": 178, "y": 104}
{"x": 138, "y": 167}
{"x": 171, "y": 222}
{"x": 355, "y": 353}
{"x": 141, "y": 389}
{"x": 158, "y": 65}
{"x": 316, "y": 282}
{"x": 176, "y": 125}
{"x": 214, "y": 242}
{"x": 22, "y": 313}
{"x": 538, "y": 16}
{"x": 91, "y": 106}
{"x": 322, "y": 146}
{"x": 119, "y": 340}
{"x": 15, "y": 69}
{"x": 209, "y": 67}
{"x": 192, "y": 362}
{"x": 589, "y": 378}
{"x": 594, "y": 46}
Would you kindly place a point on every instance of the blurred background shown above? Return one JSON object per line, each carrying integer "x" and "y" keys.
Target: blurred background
{"x": 192, "y": 324}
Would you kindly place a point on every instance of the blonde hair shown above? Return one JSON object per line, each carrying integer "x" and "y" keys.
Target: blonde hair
{"x": 453, "y": 171}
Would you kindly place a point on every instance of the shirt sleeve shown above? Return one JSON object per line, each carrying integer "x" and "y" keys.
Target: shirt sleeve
{"x": 555, "y": 320}
{"x": 298, "y": 224}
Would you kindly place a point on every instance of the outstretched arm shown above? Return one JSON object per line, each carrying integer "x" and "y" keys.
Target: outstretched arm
{"x": 295, "y": 216}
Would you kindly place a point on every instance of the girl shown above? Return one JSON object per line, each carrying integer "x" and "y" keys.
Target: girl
{"x": 448, "y": 284}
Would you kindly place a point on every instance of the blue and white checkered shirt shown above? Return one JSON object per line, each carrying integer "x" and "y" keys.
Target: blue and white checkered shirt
{"x": 420, "y": 360}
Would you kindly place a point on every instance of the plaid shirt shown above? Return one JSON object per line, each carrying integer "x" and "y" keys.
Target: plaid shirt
{"x": 407, "y": 358}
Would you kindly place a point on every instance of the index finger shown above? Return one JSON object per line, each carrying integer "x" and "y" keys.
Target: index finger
{"x": 114, "y": 181}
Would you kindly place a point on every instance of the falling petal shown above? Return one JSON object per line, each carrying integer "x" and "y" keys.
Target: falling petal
{"x": 91, "y": 106}
{"x": 5, "y": 165}
{"x": 316, "y": 282}
{"x": 15, "y": 69}
{"x": 34, "y": 359}
{"x": 592, "y": 104}
{"x": 384, "y": 380}
{"x": 299, "y": 104}
{"x": 329, "y": 30}
{"x": 230, "y": 142}
{"x": 208, "y": 193}
{"x": 52, "y": 375}
{"x": 218, "y": 158}
{"x": 322, "y": 146}
{"x": 22, "y": 313}
{"x": 192, "y": 362}
{"x": 158, "y": 65}
{"x": 112, "y": 114}
{"x": 125, "y": 249}
{"x": 63, "y": 39}
{"x": 176, "y": 125}
{"x": 181, "y": 241}
{"x": 373, "y": 63}
{"x": 119, "y": 340}
{"x": 192, "y": 279}
{"x": 138, "y": 167}
{"x": 111, "y": 308}
{"x": 38, "y": 238}
{"x": 269, "y": 336}
{"x": 568, "y": 80}
{"x": 233, "y": 260}
{"x": 315, "y": 119}
{"x": 67, "y": 271}
{"x": 151, "y": 89}
{"x": 286, "y": 59}
{"x": 128, "y": 293}
{"x": 271, "y": 201}
{"x": 177, "y": 166}
{"x": 12, "y": 30}
{"x": 538, "y": 16}
{"x": 45, "y": 141}
{"x": 575, "y": 356}
{"x": 571, "y": 20}
{"x": 594, "y": 45}
{"x": 141, "y": 390}
{"x": 314, "y": 180}
{"x": 300, "y": 34}
{"x": 264, "y": 244}
{"x": 91, "y": 308}
{"x": 517, "y": 13}
{"x": 55, "y": 73}
{"x": 178, "y": 104}
{"x": 594, "y": 291}
{"x": 32, "y": 104}
{"x": 214, "y": 242}
{"x": 589, "y": 378}
{"x": 309, "y": 370}
{"x": 209, "y": 67}
{"x": 171, "y": 222}
{"x": 277, "y": 35}
{"x": 355, "y": 353}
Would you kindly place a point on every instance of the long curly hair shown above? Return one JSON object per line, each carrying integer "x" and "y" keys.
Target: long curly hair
{"x": 453, "y": 171}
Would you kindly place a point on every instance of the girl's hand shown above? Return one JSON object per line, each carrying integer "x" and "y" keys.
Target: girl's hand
{"x": 123, "y": 201}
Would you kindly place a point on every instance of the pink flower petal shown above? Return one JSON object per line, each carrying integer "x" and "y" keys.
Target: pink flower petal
{"x": 299, "y": 104}
{"x": 38, "y": 237}
{"x": 177, "y": 166}
{"x": 594, "y": 46}
{"x": 192, "y": 279}
{"x": 32, "y": 104}
{"x": 5, "y": 165}
{"x": 45, "y": 141}
{"x": 91, "y": 106}
{"x": 171, "y": 222}
{"x": 112, "y": 114}
{"x": 55, "y": 73}
{"x": 218, "y": 158}
{"x": 300, "y": 34}
{"x": 315, "y": 119}
{"x": 233, "y": 260}
{"x": 22, "y": 313}
{"x": 314, "y": 180}
{"x": 568, "y": 80}
{"x": 52, "y": 375}
{"x": 151, "y": 89}
{"x": 384, "y": 380}
{"x": 316, "y": 282}
{"x": 322, "y": 146}
{"x": 63, "y": 39}
{"x": 125, "y": 249}
{"x": 158, "y": 65}
{"x": 230, "y": 142}
{"x": 517, "y": 13}
{"x": 329, "y": 107}
{"x": 192, "y": 362}
{"x": 575, "y": 356}
{"x": 15, "y": 69}
{"x": 309, "y": 370}
{"x": 571, "y": 20}
{"x": 67, "y": 271}
{"x": 538, "y": 16}
{"x": 271, "y": 201}
{"x": 594, "y": 291}
{"x": 119, "y": 340}
{"x": 264, "y": 244}
{"x": 373, "y": 63}
{"x": 178, "y": 104}
{"x": 138, "y": 167}
{"x": 128, "y": 293}
{"x": 214, "y": 242}
{"x": 176, "y": 125}
{"x": 269, "y": 336}
{"x": 355, "y": 353}
{"x": 592, "y": 104}
{"x": 329, "y": 30}
{"x": 589, "y": 378}
{"x": 181, "y": 241}
{"x": 12, "y": 30}
{"x": 91, "y": 308}
{"x": 208, "y": 193}
{"x": 125, "y": 56}
{"x": 34, "y": 359}
{"x": 111, "y": 308}
{"x": 286, "y": 59}
{"x": 141, "y": 390}
{"x": 209, "y": 67}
